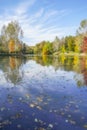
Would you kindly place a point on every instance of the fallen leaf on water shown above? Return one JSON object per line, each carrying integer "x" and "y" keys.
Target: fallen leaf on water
{"x": 66, "y": 121}
{"x": 38, "y": 107}
{"x": 39, "y": 99}
{"x": 50, "y": 125}
{"x": 85, "y": 126}
{"x": 72, "y": 122}
{"x": 27, "y": 96}
{"x": 36, "y": 120}
{"x": 2, "y": 108}
{"x": 32, "y": 105}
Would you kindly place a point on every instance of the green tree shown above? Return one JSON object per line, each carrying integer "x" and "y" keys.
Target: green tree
{"x": 83, "y": 27}
{"x": 69, "y": 43}
{"x": 47, "y": 49}
{"x": 63, "y": 49}
{"x": 24, "y": 48}
{"x": 13, "y": 31}
{"x": 38, "y": 49}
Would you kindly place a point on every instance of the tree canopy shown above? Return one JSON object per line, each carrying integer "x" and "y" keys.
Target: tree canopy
{"x": 83, "y": 27}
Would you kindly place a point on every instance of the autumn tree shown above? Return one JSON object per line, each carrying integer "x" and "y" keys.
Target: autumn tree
{"x": 12, "y": 32}
{"x": 47, "y": 49}
{"x": 84, "y": 45}
{"x": 11, "y": 46}
{"x": 82, "y": 32}
{"x": 78, "y": 41}
{"x": 38, "y": 49}
{"x": 83, "y": 27}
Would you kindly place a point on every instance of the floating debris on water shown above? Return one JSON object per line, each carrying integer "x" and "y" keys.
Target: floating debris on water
{"x": 50, "y": 125}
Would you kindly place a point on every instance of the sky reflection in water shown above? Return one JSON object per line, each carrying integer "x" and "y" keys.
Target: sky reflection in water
{"x": 43, "y": 93}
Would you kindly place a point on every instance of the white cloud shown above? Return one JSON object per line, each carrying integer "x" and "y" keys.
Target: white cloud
{"x": 37, "y": 26}
{"x": 23, "y": 7}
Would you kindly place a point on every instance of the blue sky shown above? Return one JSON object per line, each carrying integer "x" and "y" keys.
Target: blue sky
{"x": 44, "y": 19}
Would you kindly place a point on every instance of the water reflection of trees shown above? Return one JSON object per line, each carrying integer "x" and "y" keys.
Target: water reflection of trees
{"x": 63, "y": 62}
{"x": 84, "y": 68}
{"x": 67, "y": 63}
{"x": 11, "y": 67}
{"x": 14, "y": 74}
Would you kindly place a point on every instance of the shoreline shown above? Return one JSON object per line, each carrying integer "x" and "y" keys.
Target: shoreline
{"x": 54, "y": 55}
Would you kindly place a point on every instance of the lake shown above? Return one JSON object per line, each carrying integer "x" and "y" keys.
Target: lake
{"x": 43, "y": 93}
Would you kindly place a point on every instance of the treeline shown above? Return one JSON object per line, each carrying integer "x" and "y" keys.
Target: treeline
{"x": 68, "y": 44}
{"x": 11, "y": 42}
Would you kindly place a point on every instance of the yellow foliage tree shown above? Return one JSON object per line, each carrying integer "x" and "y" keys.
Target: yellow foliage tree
{"x": 11, "y": 46}
{"x": 78, "y": 41}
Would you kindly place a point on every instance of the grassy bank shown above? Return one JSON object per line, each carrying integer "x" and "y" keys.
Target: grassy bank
{"x": 70, "y": 54}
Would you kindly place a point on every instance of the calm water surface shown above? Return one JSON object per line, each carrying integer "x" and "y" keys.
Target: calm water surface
{"x": 43, "y": 93}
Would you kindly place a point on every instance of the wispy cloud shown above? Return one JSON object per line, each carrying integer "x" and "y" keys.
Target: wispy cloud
{"x": 38, "y": 26}
{"x": 23, "y": 7}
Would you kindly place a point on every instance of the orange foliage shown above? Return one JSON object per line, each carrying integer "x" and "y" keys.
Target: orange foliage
{"x": 12, "y": 63}
{"x": 11, "y": 46}
{"x": 84, "y": 45}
